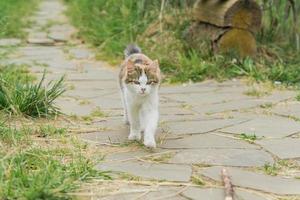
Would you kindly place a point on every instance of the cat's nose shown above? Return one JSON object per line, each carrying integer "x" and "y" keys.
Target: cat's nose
{"x": 143, "y": 89}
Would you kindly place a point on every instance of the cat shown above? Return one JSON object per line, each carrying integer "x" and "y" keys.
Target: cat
{"x": 139, "y": 81}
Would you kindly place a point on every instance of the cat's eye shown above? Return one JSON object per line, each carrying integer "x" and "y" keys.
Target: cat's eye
{"x": 150, "y": 82}
{"x": 136, "y": 82}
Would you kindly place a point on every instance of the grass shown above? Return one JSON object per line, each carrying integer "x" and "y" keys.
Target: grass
{"x": 36, "y": 173}
{"x": 14, "y": 16}
{"x": 49, "y": 130}
{"x": 198, "y": 180}
{"x": 248, "y": 137}
{"x": 298, "y": 97}
{"x": 19, "y": 95}
{"x": 110, "y": 25}
{"x": 31, "y": 170}
{"x": 11, "y": 136}
{"x": 282, "y": 167}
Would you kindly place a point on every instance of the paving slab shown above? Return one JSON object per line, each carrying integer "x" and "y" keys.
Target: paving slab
{"x": 199, "y": 99}
{"x": 284, "y": 148}
{"x": 174, "y": 111}
{"x": 106, "y": 137}
{"x": 288, "y": 109}
{"x": 227, "y": 106}
{"x": 138, "y": 153}
{"x": 207, "y": 141}
{"x": 267, "y": 126}
{"x": 194, "y": 193}
{"x": 166, "y": 192}
{"x": 79, "y": 53}
{"x": 73, "y": 107}
{"x": 167, "y": 172}
{"x": 225, "y": 157}
{"x": 58, "y": 36}
{"x": 6, "y": 42}
{"x": 41, "y": 41}
{"x": 257, "y": 181}
{"x": 198, "y": 127}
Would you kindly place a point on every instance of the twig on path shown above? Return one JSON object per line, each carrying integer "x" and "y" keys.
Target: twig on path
{"x": 227, "y": 185}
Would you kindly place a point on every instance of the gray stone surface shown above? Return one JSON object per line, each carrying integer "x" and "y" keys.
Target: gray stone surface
{"x": 193, "y": 127}
{"x": 175, "y": 111}
{"x": 257, "y": 181}
{"x": 227, "y": 106}
{"x": 81, "y": 53}
{"x": 284, "y": 148}
{"x": 167, "y": 172}
{"x": 134, "y": 155}
{"x": 106, "y": 137}
{"x": 226, "y": 157}
{"x": 10, "y": 42}
{"x": 266, "y": 126}
{"x": 58, "y": 37}
{"x": 73, "y": 107}
{"x": 288, "y": 109}
{"x": 168, "y": 193}
{"x": 218, "y": 194}
{"x": 41, "y": 41}
{"x": 206, "y": 141}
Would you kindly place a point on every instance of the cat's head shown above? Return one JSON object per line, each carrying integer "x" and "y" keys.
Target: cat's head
{"x": 142, "y": 78}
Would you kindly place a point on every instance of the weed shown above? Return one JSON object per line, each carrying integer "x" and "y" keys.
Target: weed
{"x": 84, "y": 102}
{"x": 280, "y": 167}
{"x": 129, "y": 177}
{"x": 49, "y": 130}
{"x": 247, "y": 137}
{"x": 38, "y": 174}
{"x": 23, "y": 97}
{"x": 12, "y": 136}
{"x": 198, "y": 180}
{"x": 97, "y": 113}
{"x": 259, "y": 90}
{"x": 163, "y": 158}
{"x": 13, "y": 16}
{"x": 271, "y": 169}
{"x": 266, "y": 105}
{"x": 298, "y": 97}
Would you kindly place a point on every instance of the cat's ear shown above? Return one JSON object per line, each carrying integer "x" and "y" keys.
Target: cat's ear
{"x": 130, "y": 66}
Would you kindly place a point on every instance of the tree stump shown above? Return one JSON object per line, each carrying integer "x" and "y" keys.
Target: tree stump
{"x": 229, "y": 25}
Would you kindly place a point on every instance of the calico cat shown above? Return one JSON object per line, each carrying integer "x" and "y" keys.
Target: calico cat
{"x": 139, "y": 80}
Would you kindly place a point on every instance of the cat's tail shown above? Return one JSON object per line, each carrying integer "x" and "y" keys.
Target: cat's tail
{"x": 132, "y": 49}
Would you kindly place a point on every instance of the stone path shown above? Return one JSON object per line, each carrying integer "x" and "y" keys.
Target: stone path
{"x": 200, "y": 127}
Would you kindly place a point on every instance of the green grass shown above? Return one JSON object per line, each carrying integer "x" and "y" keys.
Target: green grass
{"x": 14, "y": 16}
{"x": 19, "y": 95}
{"x": 36, "y": 173}
{"x": 298, "y": 97}
{"x": 248, "y": 137}
{"x": 42, "y": 171}
{"x": 110, "y": 25}
{"x": 49, "y": 130}
{"x": 283, "y": 167}
{"x": 10, "y": 136}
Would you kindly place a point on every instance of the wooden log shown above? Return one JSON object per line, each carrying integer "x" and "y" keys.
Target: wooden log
{"x": 206, "y": 37}
{"x": 243, "y": 14}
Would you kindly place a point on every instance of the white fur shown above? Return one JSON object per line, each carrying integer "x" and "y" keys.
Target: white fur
{"x": 141, "y": 110}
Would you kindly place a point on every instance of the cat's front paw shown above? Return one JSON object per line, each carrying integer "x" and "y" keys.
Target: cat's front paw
{"x": 150, "y": 143}
{"x": 135, "y": 136}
